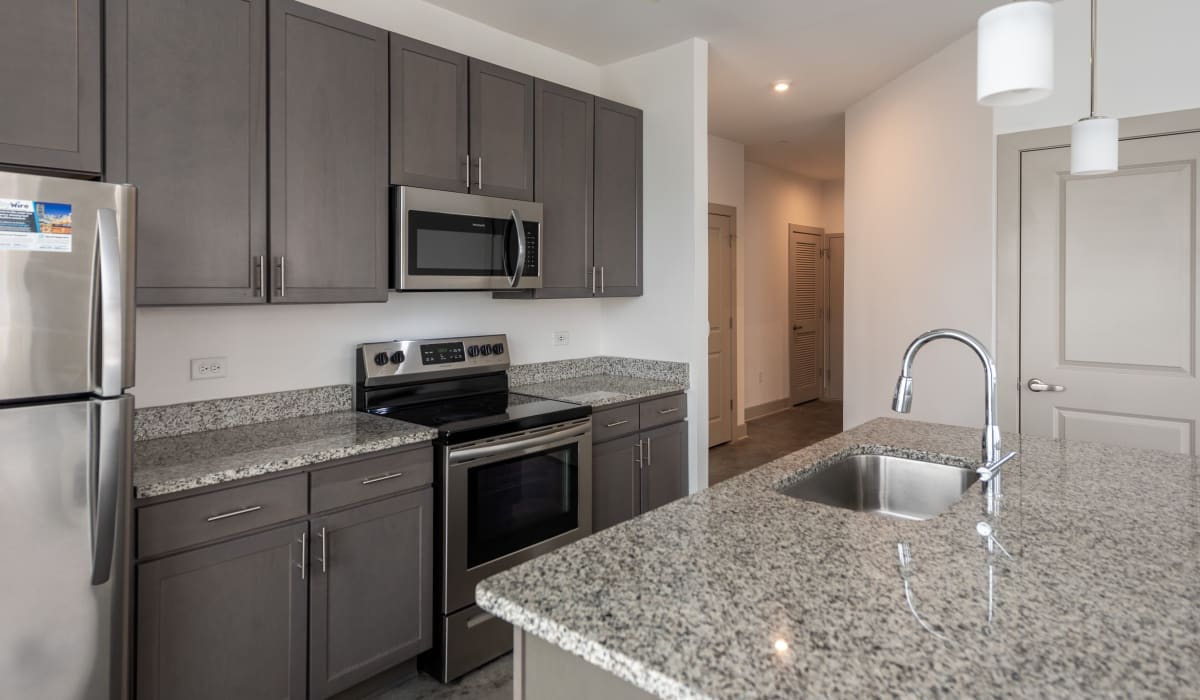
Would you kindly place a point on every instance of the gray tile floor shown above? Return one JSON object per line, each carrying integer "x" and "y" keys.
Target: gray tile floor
{"x": 774, "y": 436}
{"x": 491, "y": 682}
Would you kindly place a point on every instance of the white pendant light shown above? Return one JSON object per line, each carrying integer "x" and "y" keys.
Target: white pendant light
{"x": 1015, "y": 60}
{"x": 1094, "y": 145}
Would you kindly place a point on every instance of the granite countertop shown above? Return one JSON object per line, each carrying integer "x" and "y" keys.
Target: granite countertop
{"x": 601, "y": 389}
{"x": 173, "y": 464}
{"x": 741, "y": 592}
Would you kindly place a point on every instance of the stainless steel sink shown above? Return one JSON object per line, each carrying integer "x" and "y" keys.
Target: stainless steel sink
{"x": 899, "y": 488}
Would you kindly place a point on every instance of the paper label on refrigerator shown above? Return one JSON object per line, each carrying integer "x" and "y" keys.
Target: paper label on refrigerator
{"x": 35, "y": 226}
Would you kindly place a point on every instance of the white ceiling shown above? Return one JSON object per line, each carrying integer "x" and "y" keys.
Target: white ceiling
{"x": 834, "y": 52}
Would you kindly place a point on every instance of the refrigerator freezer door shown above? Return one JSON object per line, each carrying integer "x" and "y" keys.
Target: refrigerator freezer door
{"x": 66, "y": 285}
{"x": 63, "y": 636}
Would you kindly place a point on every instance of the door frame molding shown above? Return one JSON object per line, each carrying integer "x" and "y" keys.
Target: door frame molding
{"x": 821, "y": 303}
{"x": 739, "y": 424}
{"x": 1009, "y": 151}
{"x": 827, "y": 316}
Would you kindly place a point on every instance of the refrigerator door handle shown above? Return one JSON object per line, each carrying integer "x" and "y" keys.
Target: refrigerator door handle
{"x": 113, "y": 420}
{"x": 112, "y": 305}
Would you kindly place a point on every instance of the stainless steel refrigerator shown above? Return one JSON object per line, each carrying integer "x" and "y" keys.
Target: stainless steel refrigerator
{"x": 66, "y": 436}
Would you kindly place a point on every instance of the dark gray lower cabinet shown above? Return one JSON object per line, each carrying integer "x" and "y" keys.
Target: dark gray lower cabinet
{"x": 618, "y": 199}
{"x": 371, "y": 591}
{"x": 328, "y": 131}
{"x": 225, "y": 621}
{"x": 50, "y": 112}
{"x": 615, "y": 482}
{"x": 664, "y": 468}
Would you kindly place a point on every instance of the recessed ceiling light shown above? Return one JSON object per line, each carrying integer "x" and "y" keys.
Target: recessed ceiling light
{"x": 781, "y": 86}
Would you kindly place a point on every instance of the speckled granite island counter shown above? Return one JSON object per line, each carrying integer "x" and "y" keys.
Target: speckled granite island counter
{"x": 1093, "y": 589}
{"x": 189, "y": 446}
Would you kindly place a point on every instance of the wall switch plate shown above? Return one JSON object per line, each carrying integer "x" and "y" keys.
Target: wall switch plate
{"x": 208, "y": 367}
{"x": 562, "y": 338}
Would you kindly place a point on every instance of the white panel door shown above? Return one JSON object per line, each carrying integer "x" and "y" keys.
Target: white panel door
{"x": 804, "y": 311}
{"x": 1109, "y": 296}
{"x": 720, "y": 330}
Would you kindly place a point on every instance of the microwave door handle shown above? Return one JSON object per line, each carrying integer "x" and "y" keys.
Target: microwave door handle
{"x": 112, "y": 305}
{"x": 517, "y": 273}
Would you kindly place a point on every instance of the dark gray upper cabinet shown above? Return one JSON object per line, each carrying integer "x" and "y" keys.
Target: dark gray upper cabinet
{"x": 328, "y": 156}
{"x": 664, "y": 475}
{"x": 618, "y": 199}
{"x": 501, "y": 131}
{"x": 615, "y": 488}
{"x": 224, "y": 621}
{"x": 50, "y": 117}
{"x": 371, "y": 594}
{"x": 429, "y": 116}
{"x": 187, "y": 125}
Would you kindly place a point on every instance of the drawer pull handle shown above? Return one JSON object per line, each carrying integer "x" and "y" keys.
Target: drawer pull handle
{"x": 613, "y": 425}
{"x": 665, "y": 411}
{"x": 476, "y": 620}
{"x": 232, "y": 513}
{"x": 382, "y": 477}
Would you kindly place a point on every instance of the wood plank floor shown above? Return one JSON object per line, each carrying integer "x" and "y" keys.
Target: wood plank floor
{"x": 774, "y": 436}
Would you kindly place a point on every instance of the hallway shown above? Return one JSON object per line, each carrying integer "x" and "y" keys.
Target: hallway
{"x": 774, "y": 436}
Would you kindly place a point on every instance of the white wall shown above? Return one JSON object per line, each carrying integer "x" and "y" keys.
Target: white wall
{"x": 727, "y": 185}
{"x": 774, "y": 199}
{"x": 920, "y": 183}
{"x": 670, "y": 322}
{"x": 919, "y": 238}
{"x": 833, "y": 204}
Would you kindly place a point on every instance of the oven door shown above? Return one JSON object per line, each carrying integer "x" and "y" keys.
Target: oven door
{"x": 451, "y": 240}
{"x": 510, "y": 499}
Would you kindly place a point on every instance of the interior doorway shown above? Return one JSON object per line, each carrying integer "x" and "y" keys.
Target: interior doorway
{"x": 804, "y": 313}
{"x": 722, "y": 315}
{"x": 1098, "y": 291}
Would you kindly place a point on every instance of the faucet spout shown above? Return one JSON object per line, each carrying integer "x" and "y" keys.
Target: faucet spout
{"x": 902, "y": 400}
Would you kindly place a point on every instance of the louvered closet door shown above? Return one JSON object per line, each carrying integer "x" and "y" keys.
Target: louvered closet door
{"x": 804, "y": 250}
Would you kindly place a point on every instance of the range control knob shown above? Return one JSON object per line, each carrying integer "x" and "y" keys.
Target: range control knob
{"x": 498, "y": 348}
{"x": 473, "y": 351}
{"x": 381, "y": 358}
{"x": 485, "y": 349}
{"x": 398, "y": 356}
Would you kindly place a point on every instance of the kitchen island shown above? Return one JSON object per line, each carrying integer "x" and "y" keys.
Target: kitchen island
{"x": 1091, "y": 586}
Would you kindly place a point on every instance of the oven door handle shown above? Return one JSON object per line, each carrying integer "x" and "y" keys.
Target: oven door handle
{"x": 515, "y": 279}
{"x": 520, "y": 447}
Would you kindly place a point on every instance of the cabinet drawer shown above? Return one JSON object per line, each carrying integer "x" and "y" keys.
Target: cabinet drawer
{"x": 614, "y": 422}
{"x": 668, "y": 409}
{"x": 198, "y": 519}
{"x": 370, "y": 478}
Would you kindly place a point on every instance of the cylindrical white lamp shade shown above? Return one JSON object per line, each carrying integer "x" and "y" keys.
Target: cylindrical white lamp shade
{"x": 1094, "y": 148}
{"x": 1015, "y": 63}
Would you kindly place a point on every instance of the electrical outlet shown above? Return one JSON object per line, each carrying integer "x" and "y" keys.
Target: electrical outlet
{"x": 208, "y": 367}
{"x": 562, "y": 338}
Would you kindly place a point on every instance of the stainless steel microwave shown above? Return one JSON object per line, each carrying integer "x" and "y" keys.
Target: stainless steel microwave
{"x": 454, "y": 241}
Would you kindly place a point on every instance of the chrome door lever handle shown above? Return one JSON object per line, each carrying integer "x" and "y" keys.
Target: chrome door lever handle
{"x": 1038, "y": 385}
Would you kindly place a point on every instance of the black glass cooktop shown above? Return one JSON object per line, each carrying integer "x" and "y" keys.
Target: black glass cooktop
{"x": 485, "y": 415}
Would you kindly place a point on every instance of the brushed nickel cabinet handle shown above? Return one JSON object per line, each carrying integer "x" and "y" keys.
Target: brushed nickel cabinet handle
{"x": 601, "y": 280}
{"x": 381, "y": 477}
{"x": 324, "y": 551}
{"x": 649, "y": 460}
{"x": 667, "y": 411}
{"x": 593, "y": 280}
{"x": 613, "y": 425}
{"x": 638, "y": 459}
{"x": 233, "y": 513}
{"x": 282, "y": 276}
{"x": 479, "y": 180}
{"x": 303, "y": 555}
{"x": 468, "y": 171}
{"x": 260, "y": 273}
{"x": 476, "y": 620}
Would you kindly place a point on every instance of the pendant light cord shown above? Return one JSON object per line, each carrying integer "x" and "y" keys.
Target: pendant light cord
{"x": 1092, "y": 62}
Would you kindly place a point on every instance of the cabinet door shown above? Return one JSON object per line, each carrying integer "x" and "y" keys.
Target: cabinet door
{"x": 50, "y": 113}
{"x": 187, "y": 125}
{"x": 664, "y": 477}
{"x": 371, "y": 591}
{"x": 429, "y": 115}
{"x": 618, "y": 199}
{"x": 328, "y": 156}
{"x": 615, "y": 488}
{"x": 563, "y": 184}
{"x": 501, "y": 131}
{"x": 224, "y": 621}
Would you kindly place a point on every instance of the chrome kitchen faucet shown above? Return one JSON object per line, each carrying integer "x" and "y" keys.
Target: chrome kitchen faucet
{"x": 989, "y": 470}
